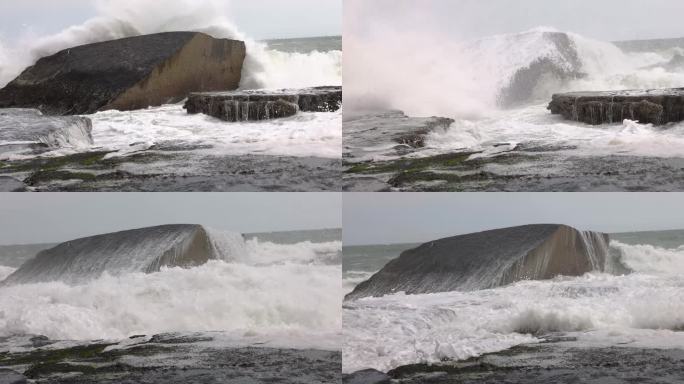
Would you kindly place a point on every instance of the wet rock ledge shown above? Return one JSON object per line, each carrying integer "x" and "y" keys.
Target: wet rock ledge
{"x": 255, "y": 105}
{"x": 654, "y": 106}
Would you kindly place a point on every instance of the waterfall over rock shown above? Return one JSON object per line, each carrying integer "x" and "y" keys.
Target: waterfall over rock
{"x": 139, "y": 250}
{"x": 489, "y": 259}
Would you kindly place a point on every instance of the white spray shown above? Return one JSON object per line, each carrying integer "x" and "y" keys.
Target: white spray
{"x": 125, "y": 18}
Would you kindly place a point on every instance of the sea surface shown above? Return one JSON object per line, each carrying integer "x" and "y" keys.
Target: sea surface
{"x": 501, "y": 124}
{"x": 640, "y": 310}
{"x": 262, "y": 308}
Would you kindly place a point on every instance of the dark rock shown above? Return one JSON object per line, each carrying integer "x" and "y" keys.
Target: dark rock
{"x": 40, "y": 341}
{"x": 489, "y": 259}
{"x": 137, "y": 250}
{"x": 9, "y": 184}
{"x": 255, "y": 105}
{"x": 655, "y": 106}
{"x": 366, "y": 376}
{"x": 10, "y": 377}
{"x": 125, "y": 74}
{"x": 553, "y": 363}
{"x": 22, "y": 129}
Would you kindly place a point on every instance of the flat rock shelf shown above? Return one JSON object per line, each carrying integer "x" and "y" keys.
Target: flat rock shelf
{"x": 652, "y": 106}
{"x": 254, "y": 105}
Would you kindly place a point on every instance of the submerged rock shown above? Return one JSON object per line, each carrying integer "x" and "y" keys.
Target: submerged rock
{"x": 255, "y": 105}
{"x": 654, "y": 106}
{"x": 22, "y": 129}
{"x": 139, "y": 250}
{"x": 387, "y": 133}
{"x": 489, "y": 259}
{"x": 131, "y": 73}
{"x": 8, "y": 376}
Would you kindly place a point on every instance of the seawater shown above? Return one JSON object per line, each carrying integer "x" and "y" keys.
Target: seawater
{"x": 286, "y": 293}
{"x": 642, "y": 308}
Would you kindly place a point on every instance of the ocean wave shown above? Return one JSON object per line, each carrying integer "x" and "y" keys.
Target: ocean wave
{"x": 475, "y": 79}
{"x": 218, "y": 296}
{"x": 116, "y": 19}
{"x": 643, "y": 307}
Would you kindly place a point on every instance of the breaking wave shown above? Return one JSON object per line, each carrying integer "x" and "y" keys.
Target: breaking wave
{"x": 264, "y": 68}
{"x": 287, "y": 291}
{"x": 473, "y": 79}
{"x": 640, "y": 307}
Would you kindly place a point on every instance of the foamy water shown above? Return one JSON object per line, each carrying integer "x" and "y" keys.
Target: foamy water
{"x": 465, "y": 81}
{"x": 641, "y": 309}
{"x": 307, "y": 134}
{"x": 280, "y": 294}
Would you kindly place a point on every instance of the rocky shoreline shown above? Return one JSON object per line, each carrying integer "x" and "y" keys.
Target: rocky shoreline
{"x": 556, "y": 360}
{"x": 170, "y": 168}
{"x": 165, "y": 358}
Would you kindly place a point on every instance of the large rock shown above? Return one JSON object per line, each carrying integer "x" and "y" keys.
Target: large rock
{"x": 489, "y": 259}
{"x": 254, "y": 105}
{"x": 139, "y": 250}
{"x": 654, "y": 106}
{"x": 126, "y": 74}
{"x": 22, "y": 129}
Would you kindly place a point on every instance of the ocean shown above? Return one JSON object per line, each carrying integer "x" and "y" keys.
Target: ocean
{"x": 496, "y": 90}
{"x": 256, "y": 301}
{"x": 165, "y": 149}
{"x": 639, "y": 310}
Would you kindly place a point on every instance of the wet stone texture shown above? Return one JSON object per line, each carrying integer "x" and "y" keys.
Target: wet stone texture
{"x": 171, "y": 169}
{"x": 654, "y": 106}
{"x": 170, "y": 359}
{"x": 254, "y": 105}
{"x": 548, "y": 363}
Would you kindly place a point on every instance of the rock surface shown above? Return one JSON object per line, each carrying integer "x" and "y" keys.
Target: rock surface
{"x": 129, "y": 73}
{"x": 489, "y": 259}
{"x": 22, "y": 129}
{"x": 138, "y": 250}
{"x": 366, "y": 376}
{"x": 387, "y": 133}
{"x": 550, "y": 362}
{"x": 170, "y": 359}
{"x": 253, "y": 105}
{"x": 656, "y": 106}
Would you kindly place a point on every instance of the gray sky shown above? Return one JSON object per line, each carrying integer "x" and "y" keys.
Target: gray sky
{"x": 259, "y": 19}
{"x": 54, "y": 217}
{"x": 385, "y": 218}
{"x": 599, "y": 19}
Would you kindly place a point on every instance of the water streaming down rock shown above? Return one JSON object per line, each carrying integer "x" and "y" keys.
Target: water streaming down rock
{"x": 139, "y": 250}
{"x": 252, "y": 105}
{"x": 28, "y": 128}
{"x": 649, "y": 106}
{"x": 489, "y": 259}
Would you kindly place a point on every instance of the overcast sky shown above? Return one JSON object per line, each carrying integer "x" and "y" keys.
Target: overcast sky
{"x": 55, "y": 217}
{"x": 600, "y": 19}
{"x": 386, "y": 218}
{"x": 259, "y": 19}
